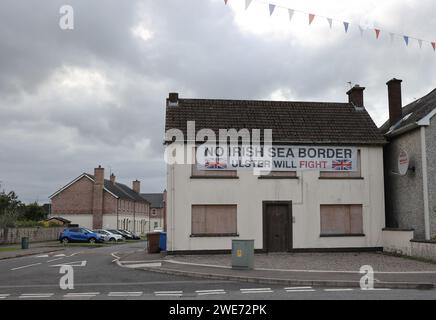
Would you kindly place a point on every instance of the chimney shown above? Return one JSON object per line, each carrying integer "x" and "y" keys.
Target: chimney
{"x": 173, "y": 99}
{"x": 112, "y": 178}
{"x": 395, "y": 103}
{"x": 355, "y": 96}
{"x": 99, "y": 175}
{"x": 97, "y": 198}
{"x": 136, "y": 186}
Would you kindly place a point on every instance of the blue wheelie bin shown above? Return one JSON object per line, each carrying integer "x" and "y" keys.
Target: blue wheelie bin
{"x": 163, "y": 241}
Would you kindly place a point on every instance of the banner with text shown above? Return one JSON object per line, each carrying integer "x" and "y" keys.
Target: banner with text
{"x": 276, "y": 158}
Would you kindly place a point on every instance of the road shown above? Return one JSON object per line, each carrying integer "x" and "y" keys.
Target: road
{"x": 96, "y": 276}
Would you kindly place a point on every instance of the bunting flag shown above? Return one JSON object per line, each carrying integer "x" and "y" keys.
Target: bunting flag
{"x": 271, "y": 9}
{"x": 377, "y": 33}
{"x": 291, "y": 14}
{"x": 311, "y": 18}
{"x": 330, "y": 21}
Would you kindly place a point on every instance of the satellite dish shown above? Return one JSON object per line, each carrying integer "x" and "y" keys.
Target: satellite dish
{"x": 403, "y": 163}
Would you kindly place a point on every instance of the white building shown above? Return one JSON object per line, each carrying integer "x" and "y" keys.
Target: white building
{"x": 285, "y": 210}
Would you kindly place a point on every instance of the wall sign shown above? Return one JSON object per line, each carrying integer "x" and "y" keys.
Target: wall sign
{"x": 277, "y": 158}
{"x": 403, "y": 163}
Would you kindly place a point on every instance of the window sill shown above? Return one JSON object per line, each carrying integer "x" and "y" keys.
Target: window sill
{"x": 341, "y": 178}
{"x": 214, "y": 177}
{"x": 278, "y": 178}
{"x": 357, "y": 235}
{"x": 223, "y": 235}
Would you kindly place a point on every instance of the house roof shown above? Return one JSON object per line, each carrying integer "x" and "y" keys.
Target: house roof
{"x": 66, "y": 221}
{"x": 291, "y": 122}
{"x": 156, "y": 199}
{"x": 118, "y": 190}
{"x": 413, "y": 113}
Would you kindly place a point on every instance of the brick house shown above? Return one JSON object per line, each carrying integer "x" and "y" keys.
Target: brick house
{"x": 94, "y": 202}
{"x": 157, "y": 209}
{"x": 286, "y": 210}
{"x": 411, "y": 198}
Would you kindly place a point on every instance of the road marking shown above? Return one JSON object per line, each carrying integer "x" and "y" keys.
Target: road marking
{"x": 60, "y": 255}
{"x": 302, "y": 290}
{"x": 377, "y": 289}
{"x": 30, "y": 265}
{"x": 125, "y": 294}
{"x": 72, "y": 264}
{"x": 54, "y": 260}
{"x": 81, "y": 295}
{"x": 257, "y": 290}
{"x": 210, "y": 292}
{"x": 4, "y": 296}
{"x": 297, "y": 288}
{"x": 337, "y": 290}
{"x": 168, "y": 293}
{"x": 35, "y": 295}
{"x": 43, "y": 256}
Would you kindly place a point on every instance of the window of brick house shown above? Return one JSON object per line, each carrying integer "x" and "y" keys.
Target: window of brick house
{"x": 344, "y": 174}
{"x": 341, "y": 220}
{"x": 214, "y": 220}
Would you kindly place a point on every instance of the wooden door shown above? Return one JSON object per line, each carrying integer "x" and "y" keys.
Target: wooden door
{"x": 277, "y": 227}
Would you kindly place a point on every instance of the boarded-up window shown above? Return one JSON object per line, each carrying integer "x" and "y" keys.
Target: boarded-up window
{"x": 345, "y": 174}
{"x": 209, "y": 220}
{"x": 341, "y": 220}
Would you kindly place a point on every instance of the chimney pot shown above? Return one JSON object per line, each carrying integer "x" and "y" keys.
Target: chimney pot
{"x": 395, "y": 101}
{"x": 355, "y": 96}
{"x": 173, "y": 99}
{"x": 113, "y": 178}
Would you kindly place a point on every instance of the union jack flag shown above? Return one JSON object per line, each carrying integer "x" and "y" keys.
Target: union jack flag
{"x": 342, "y": 165}
{"x": 215, "y": 164}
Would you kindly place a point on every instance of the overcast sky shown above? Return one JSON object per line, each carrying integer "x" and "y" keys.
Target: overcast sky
{"x": 73, "y": 99}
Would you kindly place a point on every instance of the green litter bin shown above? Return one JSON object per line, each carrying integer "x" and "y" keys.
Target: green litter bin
{"x": 24, "y": 243}
{"x": 243, "y": 254}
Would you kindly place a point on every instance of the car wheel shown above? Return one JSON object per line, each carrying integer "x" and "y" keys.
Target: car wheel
{"x": 65, "y": 240}
{"x": 91, "y": 240}
{"x": 112, "y": 239}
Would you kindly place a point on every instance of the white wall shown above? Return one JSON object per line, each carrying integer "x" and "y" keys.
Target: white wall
{"x": 306, "y": 193}
{"x": 83, "y": 220}
{"x": 397, "y": 242}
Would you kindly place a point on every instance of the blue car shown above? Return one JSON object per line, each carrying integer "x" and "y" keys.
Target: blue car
{"x": 79, "y": 235}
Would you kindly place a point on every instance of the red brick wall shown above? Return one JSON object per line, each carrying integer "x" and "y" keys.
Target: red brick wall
{"x": 76, "y": 199}
{"x": 109, "y": 204}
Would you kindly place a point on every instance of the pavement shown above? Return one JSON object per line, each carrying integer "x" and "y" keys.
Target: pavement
{"x": 295, "y": 269}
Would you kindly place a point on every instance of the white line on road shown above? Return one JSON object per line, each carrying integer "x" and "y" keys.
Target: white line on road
{"x": 54, "y": 260}
{"x": 377, "y": 289}
{"x": 257, "y": 290}
{"x": 337, "y": 290}
{"x": 302, "y": 290}
{"x": 297, "y": 288}
{"x": 81, "y": 295}
{"x": 125, "y": 294}
{"x": 59, "y": 255}
{"x": 210, "y": 292}
{"x": 35, "y": 295}
{"x": 30, "y": 265}
{"x": 43, "y": 256}
{"x": 4, "y": 296}
{"x": 168, "y": 293}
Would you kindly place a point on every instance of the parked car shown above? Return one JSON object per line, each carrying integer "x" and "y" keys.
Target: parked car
{"x": 133, "y": 235}
{"x": 119, "y": 233}
{"x": 109, "y": 236}
{"x": 79, "y": 235}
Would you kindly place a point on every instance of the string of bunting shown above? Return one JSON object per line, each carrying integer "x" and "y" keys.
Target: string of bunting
{"x": 311, "y": 18}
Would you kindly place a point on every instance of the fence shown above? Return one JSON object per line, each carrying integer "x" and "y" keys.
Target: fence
{"x": 14, "y": 235}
